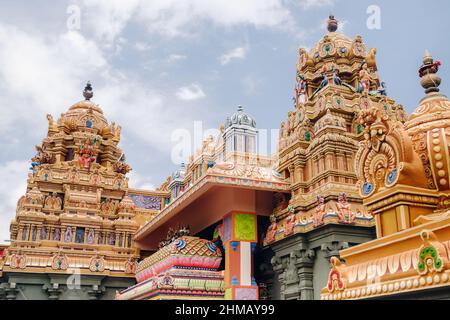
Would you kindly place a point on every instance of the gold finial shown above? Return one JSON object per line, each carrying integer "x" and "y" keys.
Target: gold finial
{"x": 430, "y": 81}
{"x": 332, "y": 24}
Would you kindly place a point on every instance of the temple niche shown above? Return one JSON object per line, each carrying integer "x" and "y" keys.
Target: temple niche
{"x": 78, "y": 212}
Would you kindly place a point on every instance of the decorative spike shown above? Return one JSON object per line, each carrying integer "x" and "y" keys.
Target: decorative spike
{"x": 332, "y": 24}
{"x": 430, "y": 81}
{"x": 427, "y": 58}
{"x": 88, "y": 93}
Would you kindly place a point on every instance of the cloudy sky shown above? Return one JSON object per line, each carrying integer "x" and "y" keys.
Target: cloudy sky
{"x": 158, "y": 66}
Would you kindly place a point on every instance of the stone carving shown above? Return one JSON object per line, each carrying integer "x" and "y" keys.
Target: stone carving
{"x": 97, "y": 264}
{"x": 59, "y": 262}
{"x": 343, "y": 210}
{"x": 53, "y": 202}
{"x": 272, "y": 230}
{"x": 319, "y": 215}
{"x": 290, "y": 222}
{"x": 18, "y": 261}
{"x": 68, "y": 235}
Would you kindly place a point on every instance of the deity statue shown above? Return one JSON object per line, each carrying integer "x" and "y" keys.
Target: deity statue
{"x": 365, "y": 79}
{"x": 117, "y": 132}
{"x": 68, "y": 235}
{"x": 42, "y": 157}
{"x": 100, "y": 238}
{"x": 87, "y": 153}
{"x": 272, "y": 230}
{"x": 43, "y": 234}
{"x": 34, "y": 234}
{"x": 291, "y": 122}
{"x": 57, "y": 235}
{"x": 318, "y": 217}
{"x": 52, "y": 125}
{"x": 301, "y": 90}
{"x": 283, "y": 135}
{"x": 401, "y": 114}
{"x": 120, "y": 166}
{"x": 91, "y": 236}
{"x": 343, "y": 212}
{"x": 112, "y": 239}
{"x": 290, "y": 222}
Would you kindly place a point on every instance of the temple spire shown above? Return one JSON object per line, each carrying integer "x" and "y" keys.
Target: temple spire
{"x": 88, "y": 93}
{"x": 430, "y": 81}
{"x": 332, "y": 24}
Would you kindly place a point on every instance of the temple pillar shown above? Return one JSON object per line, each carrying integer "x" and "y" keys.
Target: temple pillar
{"x": 240, "y": 237}
{"x": 305, "y": 270}
{"x": 53, "y": 291}
{"x": 278, "y": 268}
{"x": 11, "y": 291}
{"x": 95, "y": 292}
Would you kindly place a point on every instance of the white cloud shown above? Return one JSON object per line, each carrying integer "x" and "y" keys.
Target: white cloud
{"x": 142, "y": 46}
{"x": 251, "y": 84}
{"x": 138, "y": 181}
{"x": 307, "y": 4}
{"x": 38, "y": 74}
{"x": 237, "y": 53}
{"x": 176, "y": 57}
{"x": 13, "y": 175}
{"x": 108, "y": 18}
{"x": 191, "y": 92}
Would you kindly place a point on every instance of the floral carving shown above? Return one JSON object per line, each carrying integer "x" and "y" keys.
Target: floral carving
{"x": 59, "y": 262}
{"x": 432, "y": 254}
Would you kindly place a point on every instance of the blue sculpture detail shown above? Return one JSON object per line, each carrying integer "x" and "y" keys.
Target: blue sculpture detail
{"x": 367, "y": 188}
{"x": 391, "y": 177}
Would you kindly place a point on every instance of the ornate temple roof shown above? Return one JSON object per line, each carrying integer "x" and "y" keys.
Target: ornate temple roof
{"x": 240, "y": 118}
{"x": 84, "y": 114}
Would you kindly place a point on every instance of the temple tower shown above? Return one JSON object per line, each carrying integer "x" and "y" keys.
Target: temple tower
{"x": 72, "y": 234}
{"x": 318, "y": 142}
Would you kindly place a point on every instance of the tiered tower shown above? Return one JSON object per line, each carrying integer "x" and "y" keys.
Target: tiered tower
{"x": 318, "y": 142}
{"x": 75, "y": 219}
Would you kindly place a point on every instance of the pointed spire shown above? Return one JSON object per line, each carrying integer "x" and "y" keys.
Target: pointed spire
{"x": 430, "y": 81}
{"x": 88, "y": 93}
{"x": 332, "y": 24}
{"x": 240, "y": 109}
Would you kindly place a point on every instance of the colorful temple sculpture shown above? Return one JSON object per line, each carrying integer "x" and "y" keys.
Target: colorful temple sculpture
{"x": 403, "y": 171}
{"x": 72, "y": 237}
{"x": 234, "y": 224}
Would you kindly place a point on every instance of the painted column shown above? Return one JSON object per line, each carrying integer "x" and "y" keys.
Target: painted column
{"x": 239, "y": 238}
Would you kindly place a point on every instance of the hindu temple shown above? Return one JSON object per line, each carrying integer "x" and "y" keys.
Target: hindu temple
{"x": 353, "y": 205}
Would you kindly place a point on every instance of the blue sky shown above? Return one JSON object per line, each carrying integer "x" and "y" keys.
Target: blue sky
{"x": 157, "y": 66}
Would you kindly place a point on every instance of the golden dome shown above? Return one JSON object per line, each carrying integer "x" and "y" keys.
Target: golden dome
{"x": 337, "y": 45}
{"x": 84, "y": 115}
{"x": 429, "y": 126}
